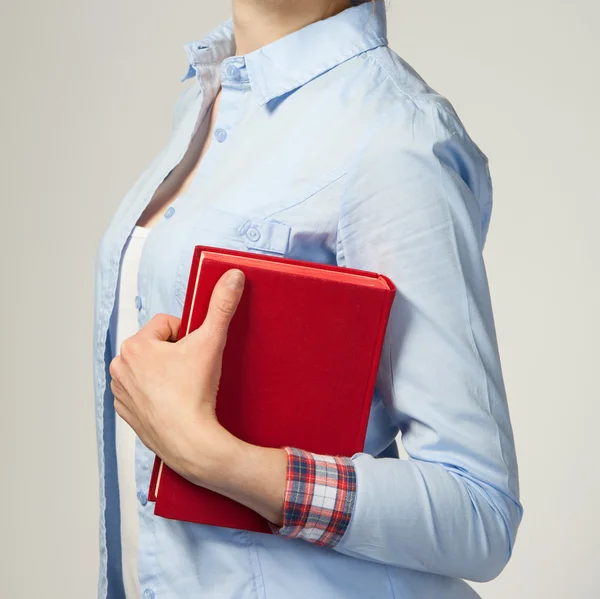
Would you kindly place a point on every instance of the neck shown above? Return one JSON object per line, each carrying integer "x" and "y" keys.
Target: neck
{"x": 260, "y": 22}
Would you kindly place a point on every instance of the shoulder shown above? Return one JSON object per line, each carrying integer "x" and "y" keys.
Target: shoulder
{"x": 414, "y": 145}
{"x": 406, "y": 102}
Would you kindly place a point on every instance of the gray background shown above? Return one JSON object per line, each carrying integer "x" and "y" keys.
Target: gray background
{"x": 88, "y": 89}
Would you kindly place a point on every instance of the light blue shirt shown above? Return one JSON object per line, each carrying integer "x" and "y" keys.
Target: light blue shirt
{"x": 329, "y": 147}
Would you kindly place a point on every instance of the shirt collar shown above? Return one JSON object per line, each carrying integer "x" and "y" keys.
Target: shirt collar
{"x": 275, "y": 69}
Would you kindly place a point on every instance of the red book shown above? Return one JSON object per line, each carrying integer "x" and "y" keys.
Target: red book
{"x": 299, "y": 366}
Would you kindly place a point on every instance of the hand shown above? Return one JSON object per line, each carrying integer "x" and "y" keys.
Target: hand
{"x": 166, "y": 389}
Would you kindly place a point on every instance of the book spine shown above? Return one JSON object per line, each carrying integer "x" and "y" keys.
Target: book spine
{"x": 153, "y": 479}
{"x": 388, "y": 300}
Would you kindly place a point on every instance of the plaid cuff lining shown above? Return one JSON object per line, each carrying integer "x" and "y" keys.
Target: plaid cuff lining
{"x": 319, "y": 497}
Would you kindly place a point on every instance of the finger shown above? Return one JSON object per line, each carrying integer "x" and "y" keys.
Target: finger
{"x": 223, "y": 303}
{"x": 115, "y": 368}
{"x": 117, "y": 389}
{"x": 120, "y": 403}
{"x": 164, "y": 327}
{"x": 119, "y": 368}
{"x": 124, "y": 412}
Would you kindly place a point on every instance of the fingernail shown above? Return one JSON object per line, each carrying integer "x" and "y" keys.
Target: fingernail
{"x": 235, "y": 279}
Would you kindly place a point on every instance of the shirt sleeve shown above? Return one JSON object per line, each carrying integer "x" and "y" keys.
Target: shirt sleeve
{"x": 416, "y": 207}
{"x": 319, "y": 497}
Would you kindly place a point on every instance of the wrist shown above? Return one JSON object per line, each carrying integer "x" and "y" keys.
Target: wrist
{"x": 208, "y": 454}
{"x": 249, "y": 474}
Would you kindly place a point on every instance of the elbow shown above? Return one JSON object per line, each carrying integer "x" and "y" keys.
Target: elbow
{"x": 488, "y": 566}
{"x": 497, "y": 517}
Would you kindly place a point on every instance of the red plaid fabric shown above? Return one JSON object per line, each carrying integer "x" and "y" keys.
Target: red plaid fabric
{"x": 319, "y": 497}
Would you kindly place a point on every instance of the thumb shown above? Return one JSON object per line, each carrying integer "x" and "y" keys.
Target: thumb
{"x": 223, "y": 304}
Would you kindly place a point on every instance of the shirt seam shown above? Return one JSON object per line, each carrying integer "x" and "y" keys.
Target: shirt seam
{"x": 391, "y": 78}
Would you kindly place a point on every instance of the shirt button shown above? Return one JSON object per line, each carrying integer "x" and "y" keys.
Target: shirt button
{"x": 170, "y": 212}
{"x": 232, "y": 71}
{"x": 221, "y": 135}
{"x": 149, "y": 594}
{"x": 253, "y": 233}
{"x": 142, "y": 497}
{"x": 138, "y": 302}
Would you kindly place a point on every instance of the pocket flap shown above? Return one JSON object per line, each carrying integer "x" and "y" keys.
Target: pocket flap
{"x": 266, "y": 235}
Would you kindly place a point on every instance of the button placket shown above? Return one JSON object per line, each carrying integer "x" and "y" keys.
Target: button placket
{"x": 233, "y": 72}
{"x": 233, "y": 78}
{"x": 220, "y": 135}
{"x": 269, "y": 235}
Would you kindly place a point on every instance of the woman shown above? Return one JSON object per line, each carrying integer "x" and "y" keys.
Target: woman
{"x": 304, "y": 135}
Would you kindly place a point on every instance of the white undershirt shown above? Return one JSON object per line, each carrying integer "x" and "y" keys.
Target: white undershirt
{"x": 125, "y": 324}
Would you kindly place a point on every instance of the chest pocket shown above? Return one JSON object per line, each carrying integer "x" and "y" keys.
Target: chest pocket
{"x": 220, "y": 228}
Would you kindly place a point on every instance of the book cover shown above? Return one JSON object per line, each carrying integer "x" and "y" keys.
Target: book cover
{"x": 299, "y": 366}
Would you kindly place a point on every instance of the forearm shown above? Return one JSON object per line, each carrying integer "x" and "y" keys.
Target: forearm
{"x": 251, "y": 475}
{"x": 302, "y": 494}
{"x": 402, "y": 513}
{"x": 423, "y": 516}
